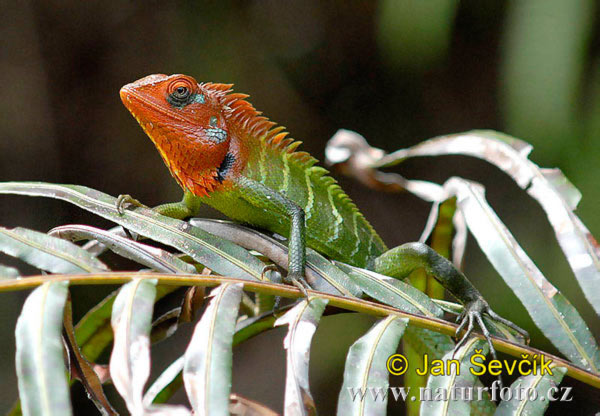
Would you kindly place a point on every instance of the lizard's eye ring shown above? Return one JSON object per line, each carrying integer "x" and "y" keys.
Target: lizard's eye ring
{"x": 180, "y": 92}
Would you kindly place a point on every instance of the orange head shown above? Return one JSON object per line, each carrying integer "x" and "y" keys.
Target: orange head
{"x": 186, "y": 121}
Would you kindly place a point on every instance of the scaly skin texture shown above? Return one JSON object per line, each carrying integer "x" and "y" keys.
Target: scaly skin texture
{"x": 223, "y": 153}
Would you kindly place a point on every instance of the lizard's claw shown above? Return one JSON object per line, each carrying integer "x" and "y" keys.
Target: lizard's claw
{"x": 509, "y": 324}
{"x": 300, "y": 283}
{"x": 473, "y": 314}
{"x": 124, "y": 199}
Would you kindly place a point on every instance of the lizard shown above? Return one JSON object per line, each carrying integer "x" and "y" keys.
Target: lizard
{"x": 226, "y": 154}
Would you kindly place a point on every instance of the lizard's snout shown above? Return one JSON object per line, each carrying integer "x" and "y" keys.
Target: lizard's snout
{"x": 125, "y": 93}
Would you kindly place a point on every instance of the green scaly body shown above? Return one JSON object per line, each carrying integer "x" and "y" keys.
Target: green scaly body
{"x": 334, "y": 225}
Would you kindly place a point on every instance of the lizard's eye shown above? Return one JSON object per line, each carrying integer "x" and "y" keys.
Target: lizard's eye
{"x": 180, "y": 93}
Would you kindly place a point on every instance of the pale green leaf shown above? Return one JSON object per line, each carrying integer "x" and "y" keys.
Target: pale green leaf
{"x": 41, "y": 373}
{"x": 217, "y": 254}
{"x": 320, "y": 273}
{"x": 208, "y": 357}
{"x": 149, "y": 256}
{"x": 48, "y": 253}
{"x": 130, "y": 358}
{"x": 302, "y": 320}
{"x": 527, "y": 392}
{"x": 366, "y": 368}
{"x": 549, "y": 309}
{"x": 451, "y": 382}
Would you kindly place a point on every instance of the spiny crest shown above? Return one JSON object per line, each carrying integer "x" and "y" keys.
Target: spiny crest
{"x": 250, "y": 119}
{"x": 242, "y": 112}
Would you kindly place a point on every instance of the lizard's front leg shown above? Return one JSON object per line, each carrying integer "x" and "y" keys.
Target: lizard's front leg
{"x": 264, "y": 197}
{"x": 399, "y": 262}
{"x": 185, "y": 208}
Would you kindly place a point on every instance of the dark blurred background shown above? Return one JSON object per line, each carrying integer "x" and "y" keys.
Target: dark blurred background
{"x": 396, "y": 71}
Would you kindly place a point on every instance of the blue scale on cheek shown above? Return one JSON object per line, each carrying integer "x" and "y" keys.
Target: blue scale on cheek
{"x": 216, "y": 134}
{"x": 199, "y": 98}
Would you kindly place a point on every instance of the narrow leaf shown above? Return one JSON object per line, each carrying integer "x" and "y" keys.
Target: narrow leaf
{"x": 435, "y": 346}
{"x": 392, "y": 291}
{"x": 217, "y": 254}
{"x": 574, "y": 238}
{"x": 320, "y": 273}
{"x": 48, "y": 253}
{"x": 130, "y": 358}
{"x": 208, "y": 358}
{"x": 152, "y": 257}
{"x": 171, "y": 379}
{"x": 165, "y": 325}
{"x": 82, "y": 368}
{"x": 549, "y": 309}
{"x": 302, "y": 320}
{"x": 366, "y": 367}
{"x": 459, "y": 376}
{"x": 553, "y": 191}
{"x": 530, "y": 394}
{"x": 41, "y": 373}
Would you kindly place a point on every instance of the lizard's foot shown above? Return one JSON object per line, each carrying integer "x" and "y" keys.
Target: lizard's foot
{"x": 473, "y": 313}
{"x": 299, "y": 281}
{"x": 125, "y": 199}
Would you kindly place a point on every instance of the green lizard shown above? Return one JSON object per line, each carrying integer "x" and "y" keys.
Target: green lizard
{"x": 223, "y": 153}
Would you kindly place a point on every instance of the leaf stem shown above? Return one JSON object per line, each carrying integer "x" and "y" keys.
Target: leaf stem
{"x": 350, "y": 304}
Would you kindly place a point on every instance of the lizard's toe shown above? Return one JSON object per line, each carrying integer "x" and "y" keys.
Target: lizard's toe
{"x": 125, "y": 199}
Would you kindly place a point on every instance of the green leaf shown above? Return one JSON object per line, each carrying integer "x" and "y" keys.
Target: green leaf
{"x": 208, "y": 357}
{"x": 522, "y": 392}
{"x": 149, "y": 256}
{"x": 549, "y": 309}
{"x": 320, "y": 272}
{"x": 392, "y": 291}
{"x": 41, "y": 372}
{"x": 302, "y": 320}
{"x": 366, "y": 367}
{"x": 48, "y": 253}
{"x": 449, "y": 383}
{"x": 130, "y": 358}
{"x": 217, "y": 254}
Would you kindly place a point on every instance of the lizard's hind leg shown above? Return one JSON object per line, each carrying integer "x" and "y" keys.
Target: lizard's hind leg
{"x": 400, "y": 261}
